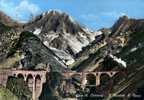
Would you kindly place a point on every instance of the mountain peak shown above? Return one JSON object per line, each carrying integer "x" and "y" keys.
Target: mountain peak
{"x": 125, "y": 24}
{"x": 52, "y": 12}
{"x": 56, "y": 21}
{"x": 6, "y": 20}
{"x": 60, "y": 32}
{"x": 124, "y": 17}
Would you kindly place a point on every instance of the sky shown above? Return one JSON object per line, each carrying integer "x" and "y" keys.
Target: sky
{"x": 93, "y": 14}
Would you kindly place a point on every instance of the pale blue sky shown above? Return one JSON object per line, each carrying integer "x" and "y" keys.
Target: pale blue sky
{"x": 94, "y": 14}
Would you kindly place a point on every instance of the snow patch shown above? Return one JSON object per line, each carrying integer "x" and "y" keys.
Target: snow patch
{"x": 133, "y": 49}
{"x": 43, "y": 14}
{"x": 46, "y": 43}
{"x": 92, "y": 35}
{"x": 98, "y": 33}
{"x": 53, "y": 10}
{"x": 22, "y": 56}
{"x": 81, "y": 40}
{"x": 69, "y": 62}
{"x": 118, "y": 60}
{"x": 75, "y": 44}
{"x": 71, "y": 19}
{"x": 82, "y": 35}
{"x": 51, "y": 37}
{"x": 66, "y": 58}
{"x": 59, "y": 61}
{"x": 37, "y": 31}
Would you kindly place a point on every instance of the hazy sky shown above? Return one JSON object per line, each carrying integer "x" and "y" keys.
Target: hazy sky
{"x": 94, "y": 14}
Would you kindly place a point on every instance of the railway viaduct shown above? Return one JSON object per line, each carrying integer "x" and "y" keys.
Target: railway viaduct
{"x": 36, "y": 78}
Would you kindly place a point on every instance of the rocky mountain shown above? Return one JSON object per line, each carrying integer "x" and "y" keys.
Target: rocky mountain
{"x": 61, "y": 34}
{"x": 121, "y": 50}
{"x": 6, "y": 20}
{"x": 54, "y": 38}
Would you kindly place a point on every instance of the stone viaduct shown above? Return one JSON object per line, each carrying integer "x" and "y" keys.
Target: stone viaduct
{"x": 83, "y": 75}
{"x": 36, "y": 78}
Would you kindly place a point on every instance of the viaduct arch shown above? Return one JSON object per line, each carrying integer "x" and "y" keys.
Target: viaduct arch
{"x": 34, "y": 79}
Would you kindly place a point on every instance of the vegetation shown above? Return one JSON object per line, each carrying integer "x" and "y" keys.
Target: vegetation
{"x": 19, "y": 88}
{"x": 6, "y": 94}
{"x": 24, "y": 36}
{"x": 10, "y": 61}
{"x": 4, "y": 28}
